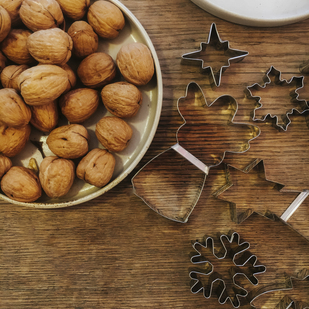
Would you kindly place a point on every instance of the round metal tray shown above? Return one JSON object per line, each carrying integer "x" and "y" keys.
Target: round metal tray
{"x": 144, "y": 125}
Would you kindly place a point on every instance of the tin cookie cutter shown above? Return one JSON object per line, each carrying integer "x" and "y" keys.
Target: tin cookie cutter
{"x": 285, "y": 101}
{"x": 235, "y": 260}
{"x": 165, "y": 183}
{"x": 216, "y": 52}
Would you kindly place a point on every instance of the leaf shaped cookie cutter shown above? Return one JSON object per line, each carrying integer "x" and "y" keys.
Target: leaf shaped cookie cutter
{"x": 201, "y": 143}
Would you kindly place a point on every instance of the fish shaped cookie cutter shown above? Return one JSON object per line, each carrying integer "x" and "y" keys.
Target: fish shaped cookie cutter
{"x": 223, "y": 51}
{"x": 207, "y": 133}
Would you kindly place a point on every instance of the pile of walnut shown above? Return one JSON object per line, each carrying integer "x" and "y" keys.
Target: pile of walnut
{"x": 37, "y": 81}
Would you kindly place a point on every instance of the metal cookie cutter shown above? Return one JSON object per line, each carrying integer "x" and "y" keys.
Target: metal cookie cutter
{"x": 166, "y": 183}
{"x": 285, "y": 101}
{"x": 216, "y": 52}
{"x": 217, "y": 274}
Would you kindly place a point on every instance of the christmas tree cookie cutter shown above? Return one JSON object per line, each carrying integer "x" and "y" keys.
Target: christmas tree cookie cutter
{"x": 214, "y": 56}
{"x": 207, "y": 133}
{"x": 240, "y": 262}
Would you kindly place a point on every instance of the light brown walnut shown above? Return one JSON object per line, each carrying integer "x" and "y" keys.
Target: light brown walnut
{"x": 10, "y": 74}
{"x": 41, "y": 14}
{"x": 56, "y": 176}
{"x": 14, "y": 46}
{"x": 113, "y": 133}
{"x": 5, "y": 165}
{"x": 74, "y": 9}
{"x": 85, "y": 40}
{"x": 106, "y": 19}
{"x": 13, "y": 110}
{"x": 96, "y": 70}
{"x": 45, "y": 117}
{"x": 122, "y": 99}
{"x": 97, "y": 167}
{"x": 79, "y": 104}
{"x": 21, "y": 184}
{"x": 5, "y": 23}
{"x": 69, "y": 141}
{"x": 13, "y": 140}
{"x": 135, "y": 63}
{"x": 51, "y": 46}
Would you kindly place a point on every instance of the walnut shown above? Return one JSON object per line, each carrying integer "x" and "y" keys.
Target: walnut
{"x": 10, "y": 74}
{"x": 122, "y": 99}
{"x": 69, "y": 142}
{"x": 13, "y": 110}
{"x": 51, "y": 46}
{"x": 74, "y": 9}
{"x": 97, "y": 167}
{"x": 85, "y": 40}
{"x": 14, "y": 46}
{"x": 21, "y": 184}
{"x": 44, "y": 117}
{"x": 79, "y": 104}
{"x": 96, "y": 70}
{"x": 52, "y": 78}
{"x": 5, "y": 165}
{"x": 12, "y": 7}
{"x": 56, "y": 176}
{"x": 113, "y": 133}
{"x": 5, "y": 25}
{"x": 13, "y": 140}
{"x": 135, "y": 63}
{"x": 41, "y": 14}
{"x": 71, "y": 77}
{"x": 106, "y": 19}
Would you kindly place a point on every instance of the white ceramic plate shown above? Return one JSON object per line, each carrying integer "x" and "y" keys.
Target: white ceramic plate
{"x": 260, "y": 13}
{"x": 144, "y": 125}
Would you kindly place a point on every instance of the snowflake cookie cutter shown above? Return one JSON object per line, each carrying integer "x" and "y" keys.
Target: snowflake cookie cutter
{"x": 209, "y": 281}
{"x": 207, "y": 133}
{"x": 273, "y": 78}
{"x": 223, "y": 52}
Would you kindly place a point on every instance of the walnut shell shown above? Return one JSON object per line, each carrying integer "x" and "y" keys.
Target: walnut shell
{"x": 106, "y": 19}
{"x": 74, "y": 9}
{"x": 79, "y": 104}
{"x": 69, "y": 142}
{"x": 14, "y": 46}
{"x": 13, "y": 140}
{"x": 5, "y": 23}
{"x": 56, "y": 176}
{"x": 96, "y": 70}
{"x": 44, "y": 117}
{"x": 41, "y": 14}
{"x": 52, "y": 78}
{"x": 21, "y": 184}
{"x": 71, "y": 77}
{"x": 10, "y": 74}
{"x": 113, "y": 133}
{"x": 135, "y": 63}
{"x": 51, "y": 46}
{"x": 97, "y": 167}
{"x": 85, "y": 40}
{"x": 13, "y": 110}
{"x": 5, "y": 165}
{"x": 12, "y": 7}
{"x": 122, "y": 99}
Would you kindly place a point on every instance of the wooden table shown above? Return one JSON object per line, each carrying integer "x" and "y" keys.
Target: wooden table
{"x": 115, "y": 252}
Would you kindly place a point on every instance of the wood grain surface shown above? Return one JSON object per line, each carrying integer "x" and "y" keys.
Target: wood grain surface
{"x": 116, "y": 252}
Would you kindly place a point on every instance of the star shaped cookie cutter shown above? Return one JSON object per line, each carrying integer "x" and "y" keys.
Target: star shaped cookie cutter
{"x": 217, "y": 49}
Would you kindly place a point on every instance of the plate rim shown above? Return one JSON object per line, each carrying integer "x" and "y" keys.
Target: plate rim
{"x": 246, "y": 20}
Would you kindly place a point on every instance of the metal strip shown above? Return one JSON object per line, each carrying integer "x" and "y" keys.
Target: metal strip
{"x": 295, "y": 204}
{"x": 191, "y": 158}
